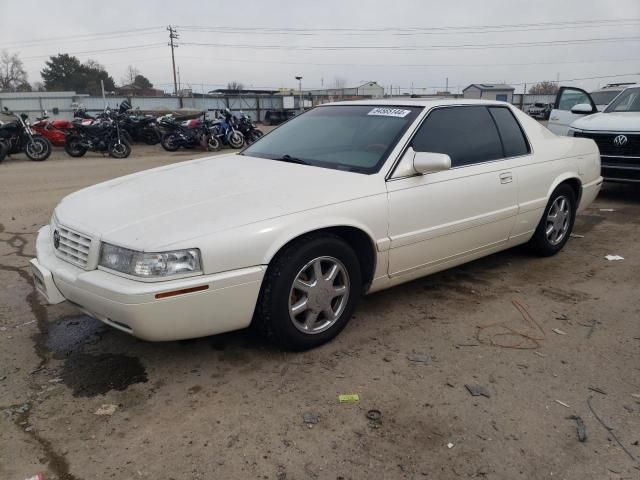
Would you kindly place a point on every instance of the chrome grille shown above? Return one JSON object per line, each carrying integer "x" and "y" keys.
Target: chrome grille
{"x": 72, "y": 246}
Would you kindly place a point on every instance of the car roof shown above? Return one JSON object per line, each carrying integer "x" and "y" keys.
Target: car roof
{"x": 417, "y": 102}
{"x": 608, "y": 88}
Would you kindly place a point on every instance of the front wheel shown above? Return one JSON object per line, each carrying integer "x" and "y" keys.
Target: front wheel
{"x": 120, "y": 149}
{"x": 556, "y": 224}
{"x": 169, "y": 142}
{"x": 309, "y": 292}
{"x": 74, "y": 147}
{"x": 38, "y": 148}
{"x": 235, "y": 139}
{"x": 4, "y": 149}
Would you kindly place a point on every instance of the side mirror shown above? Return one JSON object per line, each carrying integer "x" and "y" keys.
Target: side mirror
{"x": 428, "y": 162}
{"x": 582, "y": 109}
{"x": 5, "y": 109}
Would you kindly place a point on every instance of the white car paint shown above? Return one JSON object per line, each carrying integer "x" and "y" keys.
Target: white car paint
{"x": 628, "y": 122}
{"x": 240, "y": 211}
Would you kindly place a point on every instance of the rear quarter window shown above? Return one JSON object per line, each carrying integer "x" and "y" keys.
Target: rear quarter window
{"x": 513, "y": 140}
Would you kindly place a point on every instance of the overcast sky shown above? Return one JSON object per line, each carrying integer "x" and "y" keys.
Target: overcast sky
{"x": 267, "y": 43}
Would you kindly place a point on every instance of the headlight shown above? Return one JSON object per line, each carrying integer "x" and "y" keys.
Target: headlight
{"x": 150, "y": 265}
{"x": 572, "y": 132}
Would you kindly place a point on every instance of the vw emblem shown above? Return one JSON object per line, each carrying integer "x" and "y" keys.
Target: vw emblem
{"x": 56, "y": 239}
{"x": 620, "y": 141}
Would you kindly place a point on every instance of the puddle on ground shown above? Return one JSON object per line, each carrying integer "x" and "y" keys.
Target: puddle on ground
{"x": 71, "y": 334}
{"x": 91, "y": 375}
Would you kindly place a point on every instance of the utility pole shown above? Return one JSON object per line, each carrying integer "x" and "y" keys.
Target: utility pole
{"x": 173, "y": 35}
{"x": 299, "y": 78}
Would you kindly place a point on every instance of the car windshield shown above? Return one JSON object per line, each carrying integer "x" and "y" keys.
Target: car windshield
{"x": 345, "y": 137}
{"x": 627, "y": 101}
{"x": 605, "y": 97}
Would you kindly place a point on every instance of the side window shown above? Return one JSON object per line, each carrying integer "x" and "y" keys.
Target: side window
{"x": 570, "y": 98}
{"x": 467, "y": 134}
{"x": 511, "y": 134}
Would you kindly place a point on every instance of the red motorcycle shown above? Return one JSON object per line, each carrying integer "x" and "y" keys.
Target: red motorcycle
{"x": 55, "y": 130}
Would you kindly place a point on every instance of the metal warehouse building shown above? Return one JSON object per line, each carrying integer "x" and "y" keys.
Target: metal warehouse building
{"x": 489, "y": 91}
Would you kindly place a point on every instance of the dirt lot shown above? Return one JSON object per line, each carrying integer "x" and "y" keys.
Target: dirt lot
{"x": 232, "y": 407}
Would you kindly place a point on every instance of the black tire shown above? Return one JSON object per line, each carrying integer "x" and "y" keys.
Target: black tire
{"x": 4, "y": 149}
{"x": 272, "y": 319}
{"x": 38, "y": 149}
{"x": 168, "y": 142}
{"x": 152, "y": 136}
{"x": 73, "y": 147}
{"x": 120, "y": 149}
{"x": 540, "y": 243}
{"x": 236, "y": 140}
{"x": 213, "y": 144}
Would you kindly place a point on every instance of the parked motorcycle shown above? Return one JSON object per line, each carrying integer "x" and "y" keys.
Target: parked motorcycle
{"x": 226, "y": 129}
{"x": 248, "y": 129}
{"x": 139, "y": 128}
{"x": 178, "y": 134}
{"x": 55, "y": 130}
{"x": 17, "y": 136}
{"x": 103, "y": 136}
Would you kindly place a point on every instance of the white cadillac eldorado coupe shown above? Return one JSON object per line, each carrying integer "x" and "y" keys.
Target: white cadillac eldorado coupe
{"x": 345, "y": 199}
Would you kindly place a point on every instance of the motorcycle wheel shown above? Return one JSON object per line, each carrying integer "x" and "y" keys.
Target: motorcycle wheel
{"x": 38, "y": 149}
{"x": 236, "y": 140}
{"x": 169, "y": 143}
{"x": 73, "y": 147}
{"x": 4, "y": 149}
{"x": 151, "y": 137}
{"x": 213, "y": 144}
{"x": 119, "y": 150}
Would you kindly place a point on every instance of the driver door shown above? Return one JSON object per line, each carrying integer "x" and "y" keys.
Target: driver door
{"x": 561, "y": 116}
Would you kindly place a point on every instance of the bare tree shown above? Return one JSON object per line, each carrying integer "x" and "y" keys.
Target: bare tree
{"x": 544, "y": 88}
{"x": 338, "y": 82}
{"x": 12, "y": 74}
{"x": 235, "y": 86}
{"x": 130, "y": 75}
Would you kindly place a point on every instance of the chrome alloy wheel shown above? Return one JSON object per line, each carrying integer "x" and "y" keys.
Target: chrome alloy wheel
{"x": 319, "y": 295}
{"x": 558, "y": 220}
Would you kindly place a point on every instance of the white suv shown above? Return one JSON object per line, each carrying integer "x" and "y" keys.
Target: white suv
{"x": 616, "y": 130}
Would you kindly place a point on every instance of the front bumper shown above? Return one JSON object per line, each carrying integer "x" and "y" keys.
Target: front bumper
{"x": 226, "y": 304}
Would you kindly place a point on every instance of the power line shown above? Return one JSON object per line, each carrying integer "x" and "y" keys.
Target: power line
{"x": 85, "y": 36}
{"x": 314, "y": 32}
{"x": 605, "y": 22}
{"x": 104, "y": 50}
{"x": 469, "y": 46}
{"x": 421, "y": 65}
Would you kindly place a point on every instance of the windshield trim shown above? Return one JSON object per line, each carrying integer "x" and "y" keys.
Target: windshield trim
{"x": 416, "y": 111}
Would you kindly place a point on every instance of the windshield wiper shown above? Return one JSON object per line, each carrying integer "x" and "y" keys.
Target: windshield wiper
{"x": 288, "y": 158}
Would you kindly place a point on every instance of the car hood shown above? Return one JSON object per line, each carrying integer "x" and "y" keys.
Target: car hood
{"x": 614, "y": 121}
{"x": 171, "y": 204}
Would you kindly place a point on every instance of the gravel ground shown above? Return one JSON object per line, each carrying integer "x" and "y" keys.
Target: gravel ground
{"x": 231, "y": 406}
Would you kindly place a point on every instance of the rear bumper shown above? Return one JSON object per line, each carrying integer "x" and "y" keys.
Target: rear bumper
{"x": 226, "y": 304}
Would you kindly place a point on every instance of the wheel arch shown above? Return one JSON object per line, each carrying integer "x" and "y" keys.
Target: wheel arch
{"x": 357, "y": 237}
{"x": 571, "y": 179}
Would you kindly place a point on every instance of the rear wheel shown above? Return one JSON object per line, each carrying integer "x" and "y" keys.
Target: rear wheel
{"x": 73, "y": 146}
{"x": 213, "y": 144}
{"x": 38, "y": 148}
{"x": 151, "y": 136}
{"x": 556, "y": 224}
{"x": 169, "y": 142}
{"x": 120, "y": 149}
{"x": 309, "y": 292}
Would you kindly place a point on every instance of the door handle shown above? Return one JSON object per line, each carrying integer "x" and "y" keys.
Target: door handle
{"x": 506, "y": 177}
{"x": 554, "y": 118}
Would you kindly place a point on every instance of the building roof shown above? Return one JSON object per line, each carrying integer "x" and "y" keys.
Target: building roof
{"x": 12, "y": 95}
{"x": 490, "y": 86}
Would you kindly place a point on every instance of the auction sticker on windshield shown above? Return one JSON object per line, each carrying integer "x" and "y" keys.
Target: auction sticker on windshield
{"x": 389, "y": 112}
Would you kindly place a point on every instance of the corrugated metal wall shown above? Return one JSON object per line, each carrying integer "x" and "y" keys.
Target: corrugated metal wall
{"x": 33, "y": 105}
